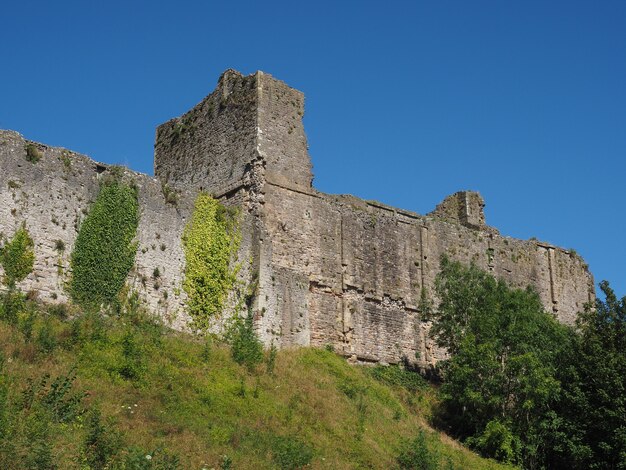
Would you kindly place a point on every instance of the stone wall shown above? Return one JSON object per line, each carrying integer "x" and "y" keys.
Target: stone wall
{"x": 327, "y": 270}
{"x": 350, "y": 273}
{"x": 52, "y": 197}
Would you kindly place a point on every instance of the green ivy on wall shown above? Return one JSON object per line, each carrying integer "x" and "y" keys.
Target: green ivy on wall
{"x": 104, "y": 252}
{"x": 17, "y": 257}
{"x": 210, "y": 241}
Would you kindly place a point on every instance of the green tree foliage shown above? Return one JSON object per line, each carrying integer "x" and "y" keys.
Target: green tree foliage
{"x": 104, "y": 252}
{"x": 499, "y": 385}
{"x": 17, "y": 257}
{"x": 591, "y": 430}
{"x": 210, "y": 241}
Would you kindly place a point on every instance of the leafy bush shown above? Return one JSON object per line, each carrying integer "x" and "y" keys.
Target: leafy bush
{"x": 4, "y": 402}
{"x": 59, "y": 245}
{"x": 46, "y": 339}
{"x": 26, "y": 324}
{"x": 210, "y": 241}
{"x": 132, "y": 366}
{"x": 33, "y": 154}
{"x": 101, "y": 442}
{"x": 245, "y": 346}
{"x": 11, "y": 304}
{"x": 17, "y": 257}
{"x": 60, "y": 311}
{"x": 170, "y": 195}
{"x": 271, "y": 359}
{"x": 290, "y": 453}
{"x": 351, "y": 388}
{"x": 415, "y": 455}
{"x": 57, "y": 397}
{"x": 104, "y": 251}
{"x": 87, "y": 328}
{"x": 399, "y": 376}
{"x": 497, "y": 440}
{"x": 39, "y": 450}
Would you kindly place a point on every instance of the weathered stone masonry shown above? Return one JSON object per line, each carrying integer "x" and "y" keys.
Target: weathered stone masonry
{"x": 329, "y": 269}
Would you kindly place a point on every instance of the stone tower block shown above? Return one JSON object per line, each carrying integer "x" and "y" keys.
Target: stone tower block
{"x": 246, "y": 119}
{"x": 463, "y": 207}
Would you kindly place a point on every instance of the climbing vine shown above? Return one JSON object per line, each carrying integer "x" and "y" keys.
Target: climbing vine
{"x": 17, "y": 257}
{"x": 210, "y": 241}
{"x": 105, "y": 252}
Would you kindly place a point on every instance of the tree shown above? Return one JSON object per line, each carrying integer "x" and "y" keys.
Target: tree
{"x": 591, "y": 428}
{"x": 499, "y": 384}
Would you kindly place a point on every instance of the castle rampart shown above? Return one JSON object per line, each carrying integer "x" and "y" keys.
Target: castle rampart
{"x": 331, "y": 270}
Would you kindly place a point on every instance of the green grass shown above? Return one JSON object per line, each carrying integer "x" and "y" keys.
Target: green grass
{"x": 168, "y": 394}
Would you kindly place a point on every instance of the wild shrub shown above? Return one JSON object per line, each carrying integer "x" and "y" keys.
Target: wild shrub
{"x": 205, "y": 354}
{"x": 415, "y": 455}
{"x": 245, "y": 346}
{"x": 57, "y": 397}
{"x": 39, "y": 441}
{"x": 4, "y": 400}
{"x": 33, "y": 154}
{"x": 497, "y": 440}
{"x": 46, "y": 338}
{"x": 26, "y": 323}
{"x": 170, "y": 194}
{"x": 398, "y": 376}
{"x": 17, "y": 257}
{"x": 132, "y": 365}
{"x": 226, "y": 463}
{"x": 101, "y": 443}
{"x": 12, "y": 303}
{"x": 271, "y": 359}
{"x": 351, "y": 388}
{"x": 290, "y": 453}
{"x": 60, "y": 311}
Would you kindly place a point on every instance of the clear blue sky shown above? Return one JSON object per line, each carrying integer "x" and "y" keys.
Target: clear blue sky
{"x": 407, "y": 101}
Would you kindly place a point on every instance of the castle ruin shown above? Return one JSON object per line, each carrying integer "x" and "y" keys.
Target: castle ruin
{"x": 329, "y": 269}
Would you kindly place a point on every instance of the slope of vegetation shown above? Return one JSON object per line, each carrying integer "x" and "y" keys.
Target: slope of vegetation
{"x": 88, "y": 391}
{"x": 102, "y": 385}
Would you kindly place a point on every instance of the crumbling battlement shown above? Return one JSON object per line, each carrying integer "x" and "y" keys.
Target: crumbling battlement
{"x": 329, "y": 270}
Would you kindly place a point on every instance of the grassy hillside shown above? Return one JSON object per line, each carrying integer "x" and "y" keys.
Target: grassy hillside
{"x": 87, "y": 391}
